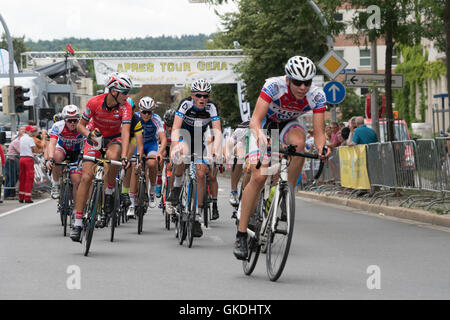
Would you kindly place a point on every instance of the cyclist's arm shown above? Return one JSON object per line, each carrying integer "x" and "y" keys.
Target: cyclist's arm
{"x": 319, "y": 132}
{"x": 125, "y": 139}
{"x": 177, "y": 122}
{"x": 140, "y": 144}
{"x": 217, "y": 134}
{"x": 261, "y": 109}
{"x": 51, "y": 148}
{"x": 162, "y": 147}
{"x": 81, "y": 127}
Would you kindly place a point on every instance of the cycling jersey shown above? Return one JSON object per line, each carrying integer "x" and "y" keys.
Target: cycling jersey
{"x": 136, "y": 126}
{"x": 168, "y": 135}
{"x": 107, "y": 120}
{"x": 152, "y": 127}
{"x": 283, "y": 106}
{"x": 195, "y": 117}
{"x": 66, "y": 139}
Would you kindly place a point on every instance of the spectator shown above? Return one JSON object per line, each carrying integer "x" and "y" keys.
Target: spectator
{"x": 335, "y": 131}
{"x": 12, "y": 165}
{"x": 352, "y": 127}
{"x": 26, "y": 180}
{"x": 328, "y": 133}
{"x": 345, "y": 132}
{"x": 309, "y": 143}
{"x": 363, "y": 134}
{"x": 39, "y": 140}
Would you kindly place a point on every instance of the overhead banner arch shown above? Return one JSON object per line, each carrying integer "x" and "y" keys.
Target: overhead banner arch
{"x": 176, "y": 70}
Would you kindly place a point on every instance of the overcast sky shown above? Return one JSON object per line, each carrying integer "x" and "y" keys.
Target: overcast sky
{"x": 111, "y": 19}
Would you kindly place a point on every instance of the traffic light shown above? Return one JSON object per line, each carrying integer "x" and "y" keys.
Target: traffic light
{"x": 6, "y": 99}
{"x": 19, "y": 98}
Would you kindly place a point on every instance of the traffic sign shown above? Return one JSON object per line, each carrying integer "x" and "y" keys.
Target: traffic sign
{"x": 334, "y": 91}
{"x": 348, "y": 71}
{"x": 365, "y": 80}
{"x": 332, "y": 64}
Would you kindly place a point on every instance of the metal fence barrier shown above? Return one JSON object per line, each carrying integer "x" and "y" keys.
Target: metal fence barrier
{"x": 421, "y": 166}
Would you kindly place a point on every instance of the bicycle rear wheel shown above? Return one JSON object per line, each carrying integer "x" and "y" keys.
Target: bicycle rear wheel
{"x": 163, "y": 200}
{"x": 254, "y": 246}
{"x": 279, "y": 239}
{"x": 140, "y": 207}
{"x": 65, "y": 210}
{"x": 115, "y": 213}
{"x": 206, "y": 207}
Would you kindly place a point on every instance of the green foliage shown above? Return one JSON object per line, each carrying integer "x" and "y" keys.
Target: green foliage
{"x": 18, "y": 45}
{"x": 353, "y": 105}
{"x": 270, "y": 32}
{"x": 416, "y": 70}
{"x": 185, "y": 42}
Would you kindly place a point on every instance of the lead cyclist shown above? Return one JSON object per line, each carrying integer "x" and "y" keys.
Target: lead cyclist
{"x": 281, "y": 101}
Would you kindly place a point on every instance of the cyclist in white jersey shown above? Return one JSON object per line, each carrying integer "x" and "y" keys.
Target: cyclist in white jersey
{"x": 281, "y": 101}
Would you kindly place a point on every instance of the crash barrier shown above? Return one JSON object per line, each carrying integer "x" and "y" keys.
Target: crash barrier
{"x": 421, "y": 166}
{"x": 11, "y": 175}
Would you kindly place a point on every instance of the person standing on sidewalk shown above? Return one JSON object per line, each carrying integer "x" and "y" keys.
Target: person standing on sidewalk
{"x": 12, "y": 165}
{"x": 26, "y": 179}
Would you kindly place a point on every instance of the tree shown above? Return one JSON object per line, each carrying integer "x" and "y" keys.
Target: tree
{"x": 270, "y": 32}
{"x": 19, "y": 47}
{"x": 398, "y": 24}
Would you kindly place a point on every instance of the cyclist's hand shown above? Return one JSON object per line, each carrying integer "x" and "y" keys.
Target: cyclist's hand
{"x": 324, "y": 152}
{"x": 262, "y": 140}
{"x": 125, "y": 163}
{"x": 50, "y": 164}
{"x": 94, "y": 138}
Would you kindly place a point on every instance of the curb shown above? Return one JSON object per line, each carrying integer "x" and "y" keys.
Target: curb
{"x": 397, "y": 212}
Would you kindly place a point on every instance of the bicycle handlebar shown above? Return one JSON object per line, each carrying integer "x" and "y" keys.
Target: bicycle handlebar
{"x": 113, "y": 162}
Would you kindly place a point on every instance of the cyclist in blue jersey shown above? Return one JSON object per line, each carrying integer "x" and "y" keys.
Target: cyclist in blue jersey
{"x": 153, "y": 128}
{"x": 281, "y": 101}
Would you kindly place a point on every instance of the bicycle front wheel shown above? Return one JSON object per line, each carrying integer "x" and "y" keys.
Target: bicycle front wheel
{"x": 116, "y": 211}
{"x": 141, "y": 205}
{"x": 279, "y": 237}
{"x": 192, "y": 207}
{"x": 93, "y": 210}
{"x": 65, "y": 210}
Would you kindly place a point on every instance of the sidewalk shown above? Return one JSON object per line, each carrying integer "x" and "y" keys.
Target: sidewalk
{"x": 394, "y": 211}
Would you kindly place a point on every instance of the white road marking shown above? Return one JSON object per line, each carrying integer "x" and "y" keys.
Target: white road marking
{"x": 23, "y": 207}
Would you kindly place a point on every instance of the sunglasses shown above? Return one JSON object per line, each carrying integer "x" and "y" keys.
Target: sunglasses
{"x": 124, "y": 92}
{"x": 72, "y": 120}
{"x": 146, "y": 112}
{"x": 298, "y": 83}
{"x": 198, "y": 95}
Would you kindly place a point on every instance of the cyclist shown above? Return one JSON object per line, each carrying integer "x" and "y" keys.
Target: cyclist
{"x": 153, "y": 129}
{"x": 136, "y": 146}
{"x": 281, "y": 101}
{"x": 214, "y": 186}
{"x": 194, "y": 111}
{"x": 108, "y": 114}
{"x": 66, "y": 143}
{"x": 237, "y": 147}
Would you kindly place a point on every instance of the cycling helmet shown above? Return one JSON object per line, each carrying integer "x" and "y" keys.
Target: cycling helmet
{"x": 169, "y": 116}
{"x": 201, "y": 85}
{"x": 118, "y": 81}
{"x": 70, "y": 111}
{"x": 57, "y": 117}
{"x": 131, "y": 102}
{"x": 300, "y": 68}
{"x": 147, "y": 104}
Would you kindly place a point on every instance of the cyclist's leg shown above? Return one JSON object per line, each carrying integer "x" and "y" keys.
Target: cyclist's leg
{"x": 113, "y": 152}
{"x": 200, "y": 175}
{"x": 75, "y": 176}
{"x": 125, "y": 192}
{"x": 295, "y": 134}
{"x": 58, "y": 156}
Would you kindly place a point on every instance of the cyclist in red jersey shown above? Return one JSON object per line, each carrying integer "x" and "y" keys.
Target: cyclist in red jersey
{"x": 110, "y": 115}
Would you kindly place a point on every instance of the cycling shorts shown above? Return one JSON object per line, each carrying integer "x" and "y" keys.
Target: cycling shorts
{"x": 90, "y": 151}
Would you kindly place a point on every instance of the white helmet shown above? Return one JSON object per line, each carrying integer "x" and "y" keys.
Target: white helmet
{"x": 201, "y": 85}
{"x": 118, "y": 81}
{"x": 70, "y": 111}
{"x": 300, "y": 68}
{"x": 147, "y": 104}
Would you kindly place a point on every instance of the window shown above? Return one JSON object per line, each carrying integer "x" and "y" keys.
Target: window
{"x": 364, "y": 57}
{"x": 339, "y": 17}
{"x": 340, "y": 53}
{"x": 394, "y": 56}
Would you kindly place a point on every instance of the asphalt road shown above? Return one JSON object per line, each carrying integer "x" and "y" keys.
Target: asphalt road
{"x": 336, "y": 253}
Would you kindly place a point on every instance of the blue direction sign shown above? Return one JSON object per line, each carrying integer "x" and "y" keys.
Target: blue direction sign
{"x": 335, "y": 92}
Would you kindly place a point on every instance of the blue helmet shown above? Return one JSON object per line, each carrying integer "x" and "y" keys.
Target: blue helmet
{"x": 130, "y": 101}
